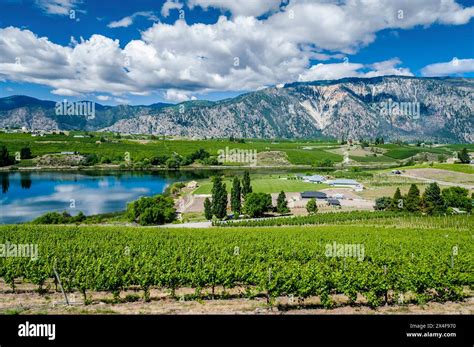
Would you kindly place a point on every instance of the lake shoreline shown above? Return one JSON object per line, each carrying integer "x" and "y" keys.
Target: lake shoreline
{"x": 187, "y": 168}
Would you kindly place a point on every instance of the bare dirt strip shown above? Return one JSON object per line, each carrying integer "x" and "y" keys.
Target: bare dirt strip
{"x": 28, "y": 301}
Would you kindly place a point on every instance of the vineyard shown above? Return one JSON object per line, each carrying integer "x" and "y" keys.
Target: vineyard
{"x": 427, "y": 258}
{"x": 322, "y": 218}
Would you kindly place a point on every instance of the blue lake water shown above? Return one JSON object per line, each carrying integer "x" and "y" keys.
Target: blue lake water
{"x": 26, "y": 196}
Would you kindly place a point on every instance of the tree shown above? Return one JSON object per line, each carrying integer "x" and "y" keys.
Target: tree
{"x": 25, "y": 153}
{"x": 397, "y": 201}
{"x": 383, "y": 203}
{"x": 200, "y": 154}
{"x": 5, "y": 158}
{"x": 324, "y": 163}
{"x": 219, "y": 198}
{"x": 152, "y": 210}
{"x": 256, "y": 204}
{"x": 235, "y": 197}
{"x": 246, "y": 187}
{"x": 159, "y": 160}
{"x": 412, "y": 199}
{"x": 457, "y": 197}
{"x": 433, "y": 202}
{"x": 282, "y": 204}
{"x": 207, "y": 209}
{"x": 463, "y": 156}
{"x": 312, "y": 206}
{"x": 91, "y": 159}
{"x": 173, "y": 163}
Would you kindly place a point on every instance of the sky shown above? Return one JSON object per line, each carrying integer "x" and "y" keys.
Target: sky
{"x": 146, "y": 51}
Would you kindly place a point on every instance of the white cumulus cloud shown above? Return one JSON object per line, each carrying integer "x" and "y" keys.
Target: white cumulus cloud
{"x": 237, "y": 53}
{"x": 127, "y": 21}
{"x": 453, "y": 67}
{"x": 170, "y": 5}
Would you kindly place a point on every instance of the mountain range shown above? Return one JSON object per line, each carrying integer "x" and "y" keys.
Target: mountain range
{"x": 395, "y": 107}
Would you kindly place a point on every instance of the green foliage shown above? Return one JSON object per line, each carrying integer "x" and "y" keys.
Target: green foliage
{"x": 325, "y": 163}
{"x": 463, "y": 156}
{"x": 457, "y": 197}
{"x": 5, "y": 158}
{"x": 399, "y": 260}
{"x": 256, "y": 204}
{"x": 383, "y": 203}
{"x": 173, "y": 163}
{"x": 246, "y": 186}
{"x": 219, "y": 198}
{"x": 235, "y": 197}
{"x": 207, "y": 209}
{"x": 282, "y": 204}
{"x": 59, "y": 218}
{"x": 433, "y": 203}
{"x": 91, "y": 159}
{"x": 152, "y": 210}
{"x": 397, "y": 201}
{"x": 312, "y": 206}
{"x": 159, "y": 160}
{"x": 200, "y": 154}
{"x": 25, "y": 153}
{"x": 412, "y": 202}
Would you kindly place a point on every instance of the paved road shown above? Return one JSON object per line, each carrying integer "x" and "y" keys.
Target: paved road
{"x": 444, "y": 183}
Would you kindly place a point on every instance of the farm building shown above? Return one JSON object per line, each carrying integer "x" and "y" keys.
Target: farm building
{"x": 346, "y": 183}
{"x": 313, "y": 195}
{"x": 334, "y": 202}
{"x": 314, "y": 179}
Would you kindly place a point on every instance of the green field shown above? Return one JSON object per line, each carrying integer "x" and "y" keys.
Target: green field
{"x": 404, "y": 151}
{"x": 266, "y": 185}
{"x": 413, "y": 255}
{"x": 115, "y": 148}
{"x": 464, "y": 168}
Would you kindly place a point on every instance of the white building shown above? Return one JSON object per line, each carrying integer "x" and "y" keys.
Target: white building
{"x": 346, "y": 183}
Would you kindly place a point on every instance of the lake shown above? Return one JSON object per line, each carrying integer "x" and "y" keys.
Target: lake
{"x": 27, "y": 195}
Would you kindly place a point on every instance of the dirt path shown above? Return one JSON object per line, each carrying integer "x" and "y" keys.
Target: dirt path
{"x": 27, "y": 301}
{"x": 444, "y": 183}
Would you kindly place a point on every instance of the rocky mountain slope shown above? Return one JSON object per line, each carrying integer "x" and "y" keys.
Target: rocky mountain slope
{"x": 395, "y": 107}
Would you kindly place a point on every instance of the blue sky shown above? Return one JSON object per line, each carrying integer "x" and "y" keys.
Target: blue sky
{"x": 141, "y": 51}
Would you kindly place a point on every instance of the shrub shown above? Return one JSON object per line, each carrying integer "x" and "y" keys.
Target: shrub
{"x": 312, "y": 206}
{"x": 152, "y": 210}
{"x": 282, "y": 204}
{"x": 256, "y": 204}
{"x": 457, "y": 197}
{"x": 383, "y": 203}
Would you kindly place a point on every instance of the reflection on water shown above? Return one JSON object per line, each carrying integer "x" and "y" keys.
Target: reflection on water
{"x": 25, "y": 180}
{"x": 27, "y": 195}
{"x": 5, "y": 183}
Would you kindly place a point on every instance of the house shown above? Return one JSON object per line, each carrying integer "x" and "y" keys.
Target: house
{"x": 334, "y": 202}
{"x": 347, "y": 183}
{"x": 313, "y": 195}
{"x": 192, "y": 185}
{"x": 314, "y": 179}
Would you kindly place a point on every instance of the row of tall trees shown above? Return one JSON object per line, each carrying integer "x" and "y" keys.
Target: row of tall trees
{"x": 217, "y": 206}
{"x": 242, "y": 199}
{"x": 433, "y": 201}
{"x": 7, "y": 159}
